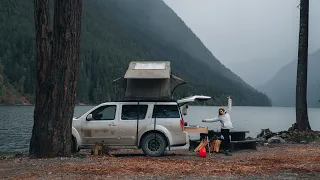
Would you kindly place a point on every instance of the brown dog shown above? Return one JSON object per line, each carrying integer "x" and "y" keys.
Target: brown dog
{"x": 97, "y": 149}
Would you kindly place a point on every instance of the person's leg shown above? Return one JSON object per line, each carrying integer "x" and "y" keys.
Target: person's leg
{"x": 226, "y": 142}
{"x": 227, "y": 139}
{"x": 224, "y": 133}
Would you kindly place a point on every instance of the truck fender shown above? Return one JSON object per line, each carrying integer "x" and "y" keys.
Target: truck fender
{"x": 158, "y": 128}
{"x": 76, "y": 135}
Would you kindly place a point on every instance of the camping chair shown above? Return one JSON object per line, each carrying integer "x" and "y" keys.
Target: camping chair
{"x": 205, "y": 142}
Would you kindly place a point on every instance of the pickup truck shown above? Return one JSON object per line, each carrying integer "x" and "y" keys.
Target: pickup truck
{"x": 150, "y": 125}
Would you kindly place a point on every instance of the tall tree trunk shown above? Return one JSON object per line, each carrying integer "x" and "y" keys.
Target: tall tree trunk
{"x": 302, "y": 69}
{"x": 57, "y": 71}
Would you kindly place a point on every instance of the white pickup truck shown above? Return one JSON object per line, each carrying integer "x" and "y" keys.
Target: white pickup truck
{"x": 151, "y": 126}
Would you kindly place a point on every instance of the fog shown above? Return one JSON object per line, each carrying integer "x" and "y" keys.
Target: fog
{"x": 254, "y": 38}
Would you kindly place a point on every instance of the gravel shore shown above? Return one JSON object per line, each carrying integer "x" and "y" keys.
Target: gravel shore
{"x": 283, "y": 161}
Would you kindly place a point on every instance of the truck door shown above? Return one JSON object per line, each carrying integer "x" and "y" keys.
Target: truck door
{"x": 101, "y": 125}
{"x": 133, "y": 118}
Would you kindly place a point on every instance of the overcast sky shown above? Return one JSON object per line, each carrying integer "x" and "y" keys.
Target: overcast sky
{"x": 246, "y": 30}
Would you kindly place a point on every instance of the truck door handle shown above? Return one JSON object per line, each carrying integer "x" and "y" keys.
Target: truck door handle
{"x": 112, "y": 124}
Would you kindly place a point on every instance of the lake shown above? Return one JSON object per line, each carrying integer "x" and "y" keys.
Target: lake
{"x": 16, "y": 121}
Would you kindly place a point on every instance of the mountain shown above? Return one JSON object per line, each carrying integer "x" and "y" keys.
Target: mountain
{"x": 263, "y": 69}
{"x": 113, "y": 34}
{"x": 282, "y": 87}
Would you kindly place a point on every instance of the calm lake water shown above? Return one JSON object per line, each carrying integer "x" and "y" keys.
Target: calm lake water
{"x": 16, "y": 121}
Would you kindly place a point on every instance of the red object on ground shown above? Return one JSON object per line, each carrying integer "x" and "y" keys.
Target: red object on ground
{"x": 203, "y": 152}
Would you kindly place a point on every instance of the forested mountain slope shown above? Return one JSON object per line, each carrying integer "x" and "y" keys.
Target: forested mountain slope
{"x": 113, "y": 34}
{"x": 282, "y": 87}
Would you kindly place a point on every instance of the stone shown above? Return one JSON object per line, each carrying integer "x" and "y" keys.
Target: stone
{"x": 18, "y": 155}
{"x": 261, "y": 139}
{"x": 264, "y": 132}
{"x": 276, "y": 140}
{"x": 284, "y": 135}
{"x": 249, "y": 138}
{"x": 293, "y": 127}
{"x": 303, "y": 142}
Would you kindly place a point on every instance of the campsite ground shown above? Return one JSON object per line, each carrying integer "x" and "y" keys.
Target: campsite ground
{"x": 283, "y": 161}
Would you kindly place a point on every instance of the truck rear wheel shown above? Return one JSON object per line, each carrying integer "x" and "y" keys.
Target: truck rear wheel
{"x": 153, "y": 144}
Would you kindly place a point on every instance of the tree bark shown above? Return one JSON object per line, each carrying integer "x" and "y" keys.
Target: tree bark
{"x": 57, "y": 72}
{"x": 302, "y": 69}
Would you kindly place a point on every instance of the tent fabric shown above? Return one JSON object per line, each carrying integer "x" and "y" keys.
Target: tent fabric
{"x": 148, "y": 70}
{"x": 149, "y": 81}
{"x": 175, "y": 82}
{"x": 148, "y": 89}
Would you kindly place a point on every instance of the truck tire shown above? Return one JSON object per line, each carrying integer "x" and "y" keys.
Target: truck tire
{"x": 153, "y": 144}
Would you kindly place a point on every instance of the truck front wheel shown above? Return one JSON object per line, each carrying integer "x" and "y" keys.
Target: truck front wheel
{"x": 74, "y": 148}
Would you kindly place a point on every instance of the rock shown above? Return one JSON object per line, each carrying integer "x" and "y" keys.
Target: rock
{"x": 276, "y": 140}
{"x": 264, "y": 132}
{"x": 284, "y": 135}
{"x": 267, "y": 136}
{"x": 293, "y": 127}
{"x": 18, "y": 155}
{"x": 249, "y": 138}
{"x": 303, "y": 142}
{"x": 262, "y": 139}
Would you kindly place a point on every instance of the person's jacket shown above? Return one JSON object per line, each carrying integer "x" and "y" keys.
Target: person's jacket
{"x": 225, "y": 119}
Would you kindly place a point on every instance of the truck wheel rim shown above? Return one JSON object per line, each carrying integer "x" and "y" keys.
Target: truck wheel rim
{"x": 154, "y": 145}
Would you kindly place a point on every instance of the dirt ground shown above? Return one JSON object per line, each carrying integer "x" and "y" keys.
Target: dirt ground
{"x": 285, "y": 161}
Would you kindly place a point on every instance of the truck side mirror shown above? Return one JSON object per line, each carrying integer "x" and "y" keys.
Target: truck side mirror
{"x": 89, "y": 117}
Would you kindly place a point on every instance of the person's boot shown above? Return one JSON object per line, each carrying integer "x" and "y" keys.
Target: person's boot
{"x": 227, "y": 153}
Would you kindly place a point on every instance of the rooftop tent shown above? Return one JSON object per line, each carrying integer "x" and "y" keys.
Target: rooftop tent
{"x": 149, "y": 81}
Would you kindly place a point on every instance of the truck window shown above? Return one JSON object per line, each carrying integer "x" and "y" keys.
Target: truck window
{"x": 104, "y": 113}
{"x": 133, "y": 112}
{"x": 165, "y": 111}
